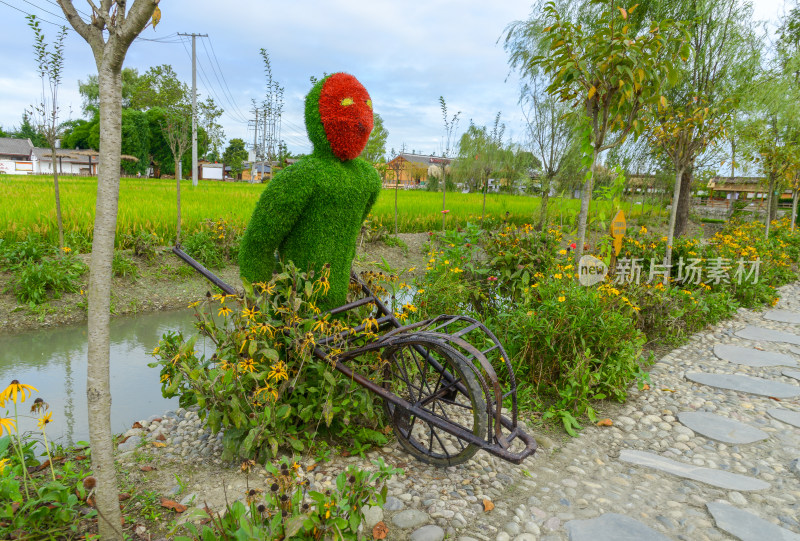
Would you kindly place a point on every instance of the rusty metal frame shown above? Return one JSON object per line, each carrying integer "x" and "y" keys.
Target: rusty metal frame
{"x": 445, "y": 329}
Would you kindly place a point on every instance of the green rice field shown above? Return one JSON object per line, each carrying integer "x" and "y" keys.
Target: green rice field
{"x": 27, "y": 206}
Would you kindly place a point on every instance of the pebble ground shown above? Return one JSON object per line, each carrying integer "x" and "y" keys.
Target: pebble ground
{"x": 581, "y": 479}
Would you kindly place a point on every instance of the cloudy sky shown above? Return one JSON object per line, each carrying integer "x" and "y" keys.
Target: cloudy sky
{"x": 406, "y": 54}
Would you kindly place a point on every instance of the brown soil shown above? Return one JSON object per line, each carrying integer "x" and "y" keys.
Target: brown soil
{"x": 167, "y": 283}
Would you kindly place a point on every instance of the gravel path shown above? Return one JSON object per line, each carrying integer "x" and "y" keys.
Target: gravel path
{"x": 735, "y": 474}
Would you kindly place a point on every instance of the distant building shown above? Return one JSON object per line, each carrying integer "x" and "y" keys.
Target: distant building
{"x": 16, "y": 156}
{"x": 412, "y": 170}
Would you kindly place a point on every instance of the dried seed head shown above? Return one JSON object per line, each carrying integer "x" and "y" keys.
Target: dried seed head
{"x": 89, "y": 483}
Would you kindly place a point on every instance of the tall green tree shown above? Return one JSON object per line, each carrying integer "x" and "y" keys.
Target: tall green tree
{"x": 27, "y": 130}
{"x": 113, "y": 26}
{"x": 209, "y": 114}
{"x": 375, "y": 151}
{"x": 235, "y": 156}
{"x": 608, "y": 72}
{"x": 159, "y": 86}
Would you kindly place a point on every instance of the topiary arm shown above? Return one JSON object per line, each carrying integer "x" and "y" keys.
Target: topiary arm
{"x": 375, "y": 189}
{"x": 280, "y": 206}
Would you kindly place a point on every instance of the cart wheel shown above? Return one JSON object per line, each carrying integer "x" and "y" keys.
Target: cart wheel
{"x": 450, "y": 392}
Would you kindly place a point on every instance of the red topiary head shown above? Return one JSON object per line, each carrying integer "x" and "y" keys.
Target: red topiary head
{"x": 345, "y": 110}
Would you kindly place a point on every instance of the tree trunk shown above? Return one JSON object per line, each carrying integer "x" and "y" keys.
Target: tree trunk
{"x": 444, "y": 198}
{"x": 396, "y": 184}
{"x": 794, "y": 208}
{"x": 98, "y": 392}
{"x": 545, "y": 201}
{"x": 58, "y": 199}
{"x": 684, "y": 202}
{"x": 586, "y": 199}
{"x": 673, "y": 218}
{"x": 178, "y": 188}
{"x": 773, "y": 209}
{"x": 483, "y": 209}
{"x": 770, "y": 204}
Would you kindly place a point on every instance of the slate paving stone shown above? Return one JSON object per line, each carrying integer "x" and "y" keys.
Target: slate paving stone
{"x": 717, "y": 478}
{"x": 751, "y": 332}
{"x": 794, "y": 350}
{"x": 784, "y": 316}
{"x": 721, "y": 428}
{"x": 747, "y": 526}
{"x": 786, "y": 416}
{"x": 611, "y": 527}
{"x": 791, "y": 373}
{"x": 752, "y": 357}
{"x": 746, "y": 384}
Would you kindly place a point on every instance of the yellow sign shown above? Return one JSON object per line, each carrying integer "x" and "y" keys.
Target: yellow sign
{"x": 618, "y": 227}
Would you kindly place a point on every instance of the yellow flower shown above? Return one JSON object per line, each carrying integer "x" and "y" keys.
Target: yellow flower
{"x": 267, "y": 390}
{"x": 15, "y": 390}
{"x": 562, "y": 252}
{"x": 456, "y": 270}
{"x": 249, "y": 313}
{"x": 643, "y": 230}
{"x": 7, "y": 423}
{"x": 165, "y": 378}
{"x": 66, "y": 249}
{"x": 278, "y": 371}
{"x": 247, "y": 365}
{"x": 156, "y": 350}
{"x": 195, "y": 303}
{"x": 44, "y": 420}
{"x": 224, "y": 311}
{"x": 561, "y": 298}
{"x": 557, "y": 276}
{"x": 3, "y": 464}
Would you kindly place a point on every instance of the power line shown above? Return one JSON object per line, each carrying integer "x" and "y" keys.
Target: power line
{"x": 211, "y": 43}
{"x": 222, "y": 87}
{"x": 26, "y": 13}
{"x": 210, "y": 89}
{"x": 57, "y": 15}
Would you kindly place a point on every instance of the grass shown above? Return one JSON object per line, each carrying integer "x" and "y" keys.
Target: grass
{"x": 149, "y": 205}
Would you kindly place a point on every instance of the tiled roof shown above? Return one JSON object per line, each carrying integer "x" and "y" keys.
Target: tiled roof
{"x": 15, "y": 147}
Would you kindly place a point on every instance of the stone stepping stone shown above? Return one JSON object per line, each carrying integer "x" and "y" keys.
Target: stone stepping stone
{"x": 796, "y": 351}
{"x": 747, "y": 526}
{"x": 721, "y": 428}
{"x": 751, "y": 332}
{"x": 710, "y": 476}
{"x": 786, "y": 416}
{"x": 752, "y": 357}
{"x": 611, "y": 527}
{"x": 746, "y": 384}
{"x": 784, "y": 316}
{"x": 791, "y": 373}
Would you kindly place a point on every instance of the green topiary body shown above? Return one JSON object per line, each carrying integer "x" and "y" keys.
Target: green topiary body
{"x": 312, "y": 211}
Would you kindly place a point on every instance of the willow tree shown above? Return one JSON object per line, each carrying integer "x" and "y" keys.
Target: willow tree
{"x": 550, "y": 135}
{"x": 607, "y": 72}
{"x": 110, "y": 31}
{"x": 724, "y": 59}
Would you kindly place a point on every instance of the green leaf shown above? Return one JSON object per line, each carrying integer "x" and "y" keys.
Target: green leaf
{"x": 293, "y": 525}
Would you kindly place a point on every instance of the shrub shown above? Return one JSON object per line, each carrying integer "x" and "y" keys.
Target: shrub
{"x": 123, "y": 266}
{"x": 32, "y": 282}
{"x": 288, "y": 510}
{"x": 214, "y": 244}
{"x": 31, "y": 250}
{"x": 201, "y": 247}
{"x": 262, "y": 385}
{"x": 143, "y": 243}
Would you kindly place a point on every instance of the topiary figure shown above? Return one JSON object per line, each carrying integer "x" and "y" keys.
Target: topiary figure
{"x": 312, "y": 211}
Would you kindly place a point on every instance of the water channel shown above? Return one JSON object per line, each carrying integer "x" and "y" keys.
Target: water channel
{"x": 54, "y": 361}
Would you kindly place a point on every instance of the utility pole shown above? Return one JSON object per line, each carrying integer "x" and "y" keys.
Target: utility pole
{"x": 255, "y": 145}
{"x": 194, "y": 103}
